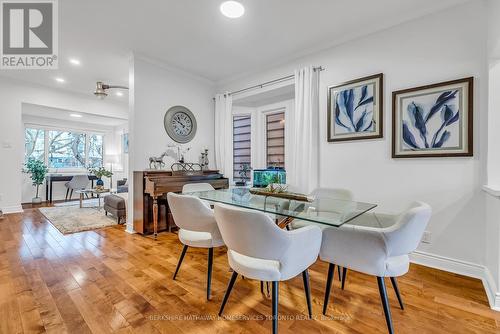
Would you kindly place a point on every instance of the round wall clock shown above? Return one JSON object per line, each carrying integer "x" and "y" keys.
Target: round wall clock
{"x": 180, "y": 124}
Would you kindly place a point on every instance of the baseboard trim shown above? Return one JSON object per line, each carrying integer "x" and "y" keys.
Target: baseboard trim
{"x": 12, "y": 209}
{"x": 130, "y": 229}
{"x": 462, "y": 268}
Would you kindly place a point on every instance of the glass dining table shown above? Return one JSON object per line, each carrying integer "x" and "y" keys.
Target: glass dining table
{"x": 321, "y": 210}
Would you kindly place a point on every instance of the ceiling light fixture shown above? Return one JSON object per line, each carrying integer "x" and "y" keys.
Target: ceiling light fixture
{"x": 60, "y": 80}
{"x": 76, "y": 115}
{"x": 74, "y": 61}
{"x": 100, "y": 90}
{"x": 232, "y": 9}
{"x": 119, "y": 94}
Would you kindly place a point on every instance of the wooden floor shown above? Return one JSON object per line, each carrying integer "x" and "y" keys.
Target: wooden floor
{"x": 109, "y": 281}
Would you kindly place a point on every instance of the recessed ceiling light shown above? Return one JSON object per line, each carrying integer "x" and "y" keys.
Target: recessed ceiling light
{"x": 76, "y": 115}
{"x": 232, "y": 9}
{"x": 119, "y": 94}
{"x": 60, "y": 80}
{"x": 74, "y": 61}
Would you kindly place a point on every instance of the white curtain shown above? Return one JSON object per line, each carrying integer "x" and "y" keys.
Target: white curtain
{"x": 304, "y": 169}
{"x": 224, "y": 134}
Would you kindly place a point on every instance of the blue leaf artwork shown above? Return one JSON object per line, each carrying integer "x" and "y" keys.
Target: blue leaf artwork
{"x": 354, "y": 110}
{"x": 431, "y": 121}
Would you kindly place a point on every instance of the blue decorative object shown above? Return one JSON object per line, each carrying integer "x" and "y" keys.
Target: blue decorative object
{"x": 355, "y": 109}
{"x": 433, "y": 120}
{"x": 99, "y": 182}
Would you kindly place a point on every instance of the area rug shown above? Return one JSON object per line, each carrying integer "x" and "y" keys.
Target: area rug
{"x": 87, "y": 203}
{"x": 71, "y": 219}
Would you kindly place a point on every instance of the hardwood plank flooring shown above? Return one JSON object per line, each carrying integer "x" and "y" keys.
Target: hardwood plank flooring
{"x": 109, "y": 281}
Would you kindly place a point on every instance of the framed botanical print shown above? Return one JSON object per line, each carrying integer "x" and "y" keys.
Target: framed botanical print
{"x": 355, "y": 109}
{"x": 434, "y": 120}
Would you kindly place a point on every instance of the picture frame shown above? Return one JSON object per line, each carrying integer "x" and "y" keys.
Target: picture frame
{"x": 434, "y": 120}
{"x": 356, "y": 109}
{"x": 125, "y": 143}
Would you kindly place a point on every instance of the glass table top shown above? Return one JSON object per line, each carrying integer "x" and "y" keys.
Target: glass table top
{"x": 322, "y": 210}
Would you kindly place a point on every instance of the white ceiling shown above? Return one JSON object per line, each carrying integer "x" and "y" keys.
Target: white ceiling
{"x": 193, "y": 35}
{"x": 50, "y": 113}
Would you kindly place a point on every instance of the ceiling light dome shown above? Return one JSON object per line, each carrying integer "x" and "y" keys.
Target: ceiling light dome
{"x": 232, "y": 9}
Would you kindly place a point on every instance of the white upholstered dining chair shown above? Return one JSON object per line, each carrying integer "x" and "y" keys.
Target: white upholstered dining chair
{"x": 77, "y": 182}
{"x": 197, "y": 228}
{"x": 195, "y": 187}
{"x": 325, "y": 194}
{"x": 258, "y": 249}
{"x": 380, "y": 252}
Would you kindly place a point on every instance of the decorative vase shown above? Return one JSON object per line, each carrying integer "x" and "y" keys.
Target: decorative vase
{"x": 36, "y": 200}
{"x": 99, "y": 182}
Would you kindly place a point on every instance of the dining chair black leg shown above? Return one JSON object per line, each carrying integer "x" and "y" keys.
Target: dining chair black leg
{"x": 209, "y": 274}
{"x": 67, "y": 193}
{"x": 331, "y": 273}
{"x": 180, "y": 260}
{"x": 396, "y": 288}
{"x": 275, "y": 292}
{"x": 344, "y": 275}
{"x": 307, "y": 290}
{"x": 228, "y": 291}
{"x": 262, "y": 287}
{"x": 339, "y": 269}
{"x": 385, "y": 303}
{"x": 71, "y": 195}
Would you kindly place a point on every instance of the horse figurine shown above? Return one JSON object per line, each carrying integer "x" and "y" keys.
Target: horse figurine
{"x": 157, "y": 161}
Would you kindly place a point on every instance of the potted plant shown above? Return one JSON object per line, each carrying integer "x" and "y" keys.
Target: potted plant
{"x": 38, "y": 171}
{"x": 100, "y": 172}
{"x": 243, "y": 172}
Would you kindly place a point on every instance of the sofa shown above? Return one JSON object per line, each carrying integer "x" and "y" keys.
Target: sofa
{"x": 122, "y": 186}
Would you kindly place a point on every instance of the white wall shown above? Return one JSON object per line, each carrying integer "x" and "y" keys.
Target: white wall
{"x": 492, "y": 196}
{"x": 435, "y": 48}
{"x": 12, "y": 95}
{"x": 154, "y": 89}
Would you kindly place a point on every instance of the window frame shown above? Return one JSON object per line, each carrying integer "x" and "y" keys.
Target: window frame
{"x": 266, "y": 114}
{"x": 258, "y": 145}
{"x": 86, "y": 133}
{"x": 242, "y": 114}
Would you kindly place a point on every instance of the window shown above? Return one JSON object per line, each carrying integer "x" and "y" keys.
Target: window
{"x": 95, "y": 151}
{"x": 275, "y": 140}
{"x": 64, "y": 149}
{"x": 241, "y": 144}
{"x": 34, "y": 144}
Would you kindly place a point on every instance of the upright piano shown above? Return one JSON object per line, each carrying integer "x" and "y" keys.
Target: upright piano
{"x": 151, "y": 211}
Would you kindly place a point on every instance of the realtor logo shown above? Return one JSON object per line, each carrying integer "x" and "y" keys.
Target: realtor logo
{"x": 29, "y": 34}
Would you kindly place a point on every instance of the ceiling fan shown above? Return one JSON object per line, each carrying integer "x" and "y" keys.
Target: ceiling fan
{"x": 101, "y": 88}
